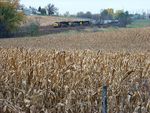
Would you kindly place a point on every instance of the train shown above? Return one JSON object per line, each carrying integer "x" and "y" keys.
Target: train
{"x": 105, "y": 23}
{"x": 71, "y": 24}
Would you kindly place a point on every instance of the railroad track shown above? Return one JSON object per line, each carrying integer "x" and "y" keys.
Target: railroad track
{"x": 50, "y": 29}
{"x": 43, "y": 30}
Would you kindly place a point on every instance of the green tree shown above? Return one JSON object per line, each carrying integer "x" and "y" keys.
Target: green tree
{"x": 104, "y": 14}
{"x": 123, "y": 17}
{"x": 80, "y": 14}
{"x": 39, "y": 9}
{"x": 10, "y": 18}
{"x": 107, "y": 14}
{"x": 51, "y": 9}
{"x": 88, "y": 14}
{"x": 67, "y": 14}
{"x": 110, "y": 13}
{"x": 43, "y": 11}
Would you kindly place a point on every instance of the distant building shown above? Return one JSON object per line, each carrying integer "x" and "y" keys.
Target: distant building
{"x": 27, "y": 11}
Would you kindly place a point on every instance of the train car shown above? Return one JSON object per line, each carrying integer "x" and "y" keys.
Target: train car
{"x": 86, "y": 23}
{"x": 61, "y": 24}
{"x": 71, "y": 24}
{"x": 107, "y": 23}
{"x": 75, "y": 23}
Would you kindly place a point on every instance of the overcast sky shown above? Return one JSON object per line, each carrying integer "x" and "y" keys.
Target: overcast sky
{"x": 74, "y": 6}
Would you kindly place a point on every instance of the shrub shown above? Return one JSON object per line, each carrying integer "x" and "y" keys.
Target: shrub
{"x": 33, "y": 29}
{"x": 3, "y": 30}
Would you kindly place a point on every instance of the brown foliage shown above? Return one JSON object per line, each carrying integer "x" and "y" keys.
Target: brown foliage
{"x": 50, "y": 81}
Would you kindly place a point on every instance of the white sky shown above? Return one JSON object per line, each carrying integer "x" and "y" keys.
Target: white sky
{"x": 74, "y": 6}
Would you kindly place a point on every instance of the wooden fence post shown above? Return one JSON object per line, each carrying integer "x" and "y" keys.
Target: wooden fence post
{"x": 104, "y": 99}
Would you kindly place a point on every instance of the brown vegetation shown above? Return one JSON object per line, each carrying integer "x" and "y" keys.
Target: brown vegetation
{"x": 36, "y": 80}
{"x": 116, "y": 40}
{"x": 36, "y": 77}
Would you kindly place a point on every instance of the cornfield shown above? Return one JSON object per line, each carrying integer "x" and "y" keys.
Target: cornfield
{"x": 51, "y": 81}
{"x": 115, "y": 40}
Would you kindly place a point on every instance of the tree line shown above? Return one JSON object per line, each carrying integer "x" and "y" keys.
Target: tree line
{"x": 108, "y": 14}
{"x": 50, "y": 8}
